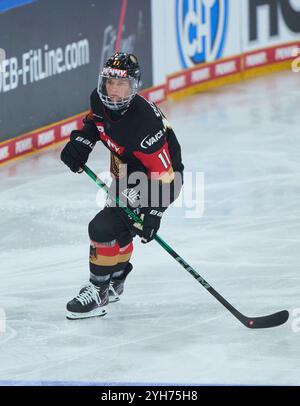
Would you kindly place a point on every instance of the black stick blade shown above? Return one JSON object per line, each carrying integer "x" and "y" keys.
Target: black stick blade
{"x": 272, "y": 320}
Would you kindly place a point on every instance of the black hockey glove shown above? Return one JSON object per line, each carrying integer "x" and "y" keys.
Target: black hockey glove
{"x": 151, "y": 222}
{"x": 76, "y": 152}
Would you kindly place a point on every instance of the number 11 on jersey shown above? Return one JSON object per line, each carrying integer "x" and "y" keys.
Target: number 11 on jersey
{"x": 165, "y": 160}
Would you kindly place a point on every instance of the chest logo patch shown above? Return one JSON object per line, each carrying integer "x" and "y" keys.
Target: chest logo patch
{"x": 151, "y": 139}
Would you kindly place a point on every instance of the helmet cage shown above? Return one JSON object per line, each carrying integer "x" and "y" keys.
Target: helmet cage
{"x": 109, "y": 73}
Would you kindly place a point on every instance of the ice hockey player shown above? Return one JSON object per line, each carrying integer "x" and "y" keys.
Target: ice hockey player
{"x": 145, "y": 157}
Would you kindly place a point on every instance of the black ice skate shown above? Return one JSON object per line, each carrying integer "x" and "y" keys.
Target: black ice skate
{"x": 90, "y": 302}
{"x": 117, "y": 281}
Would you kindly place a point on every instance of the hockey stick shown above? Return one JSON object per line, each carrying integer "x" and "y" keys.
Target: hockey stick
{"x": 271, "y": 320}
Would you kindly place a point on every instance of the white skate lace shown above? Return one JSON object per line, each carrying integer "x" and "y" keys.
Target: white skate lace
{"x": 89, "y": 294}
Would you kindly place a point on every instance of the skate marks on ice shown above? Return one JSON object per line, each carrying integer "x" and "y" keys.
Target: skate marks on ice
{"x": 73, "y": 343}
{"x": 166, "y": 328}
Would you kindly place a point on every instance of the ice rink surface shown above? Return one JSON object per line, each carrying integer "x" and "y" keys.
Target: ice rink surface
{"x": 167, "y": 328}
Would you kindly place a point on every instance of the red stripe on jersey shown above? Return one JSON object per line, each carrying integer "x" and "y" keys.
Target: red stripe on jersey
{"x": 127, "y": 249}
{"x": 157, "y": 163}
{"x": 107, "y": 249}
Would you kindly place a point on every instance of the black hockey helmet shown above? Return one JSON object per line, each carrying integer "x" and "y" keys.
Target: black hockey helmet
{"x": 123, "y": 66}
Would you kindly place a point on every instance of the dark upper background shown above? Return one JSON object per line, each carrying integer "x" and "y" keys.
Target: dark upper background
{"x": 58, "y": 23}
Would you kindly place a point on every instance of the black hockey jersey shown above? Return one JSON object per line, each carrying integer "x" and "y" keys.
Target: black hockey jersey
{"x": 141, "y": 138}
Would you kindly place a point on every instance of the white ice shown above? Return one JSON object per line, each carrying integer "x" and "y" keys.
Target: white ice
{"x": 167, "y": 328}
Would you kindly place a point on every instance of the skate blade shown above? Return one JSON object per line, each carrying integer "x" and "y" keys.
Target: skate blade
{"x": 94, "y": 313}
{"x": 114, "y": 299}
{"x": 113, "y": 296}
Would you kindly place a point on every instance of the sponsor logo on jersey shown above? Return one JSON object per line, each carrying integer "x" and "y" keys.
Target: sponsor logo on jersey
{"x": 201, "y": 27}
{"x": 151, "y": 139}
{"x": 113, "y": 146}
{"x": 155, "y": 108}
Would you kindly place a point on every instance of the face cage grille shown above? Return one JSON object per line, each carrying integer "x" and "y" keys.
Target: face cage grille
{"x": 115, "y": 105}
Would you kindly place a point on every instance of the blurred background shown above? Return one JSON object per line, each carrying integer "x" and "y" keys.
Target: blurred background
{"x": 52, "y": 52}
